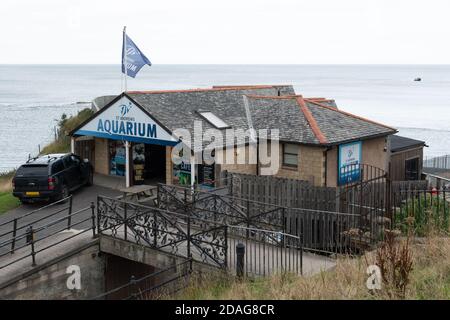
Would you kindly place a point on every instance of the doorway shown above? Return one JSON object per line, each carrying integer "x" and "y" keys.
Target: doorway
{"x": 412, "y": 169}
{"x": 149, "y": 163}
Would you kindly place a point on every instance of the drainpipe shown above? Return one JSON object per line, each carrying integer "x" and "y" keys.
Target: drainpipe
{"x": 257, "y": 156}
{"x": 72, "y": 144}
{"x": 192, "y": 172}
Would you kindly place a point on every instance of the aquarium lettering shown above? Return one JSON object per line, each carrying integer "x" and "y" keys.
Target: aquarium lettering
{"x": 128, "y": 128}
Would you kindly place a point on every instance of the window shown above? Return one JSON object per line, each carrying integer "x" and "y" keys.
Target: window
{"x": 214, "y": 120}
{"x": 32, "y": 170}
{"x": 58, "y": 166}
{"x": 290, "y": 155}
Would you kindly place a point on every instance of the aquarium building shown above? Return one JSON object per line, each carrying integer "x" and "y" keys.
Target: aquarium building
{"x": 131, "y": 137}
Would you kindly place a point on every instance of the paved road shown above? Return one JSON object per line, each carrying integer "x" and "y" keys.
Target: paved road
{"x": 82, "y": 198}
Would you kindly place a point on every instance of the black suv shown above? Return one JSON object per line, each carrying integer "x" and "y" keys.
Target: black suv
{"x": 51, "y": 177}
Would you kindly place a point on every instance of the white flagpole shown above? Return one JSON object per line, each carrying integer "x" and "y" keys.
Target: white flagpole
{"x": 125, "y": 56}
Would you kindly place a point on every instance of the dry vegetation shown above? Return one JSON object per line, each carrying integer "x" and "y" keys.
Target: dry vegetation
{"x": 429, "y": 277}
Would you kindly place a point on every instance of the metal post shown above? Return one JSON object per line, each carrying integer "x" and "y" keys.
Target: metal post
{"x": 240, "y": 253}
{"x": 188, "y": 233}
{"x": 69, "y": 218}
{"x": 13, "y": 244}
{"x": 226, "y": 246}
{"x": 248, "y": 219}
{"x": 30, "y": 236}
{"x": 98, "y": 215}
{"x": 93, "y": 218}
{"x": 301, "y": 258}
{"x": 127, "y": 164}
{"x": 155, "y": 228}
{"x": 125, "y": 220}
{"x": 125, "y": 57}
{"x": 133, "y": 290}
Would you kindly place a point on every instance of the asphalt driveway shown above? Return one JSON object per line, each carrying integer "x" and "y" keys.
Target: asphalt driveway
{"x": 82, "y": 198}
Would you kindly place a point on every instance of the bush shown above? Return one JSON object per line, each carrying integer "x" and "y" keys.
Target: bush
{"x": 65, "y": 125}
{"x": 428, "y": 213}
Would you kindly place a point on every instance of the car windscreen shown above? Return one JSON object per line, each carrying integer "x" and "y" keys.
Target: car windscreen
{"x": 32, "y": 170}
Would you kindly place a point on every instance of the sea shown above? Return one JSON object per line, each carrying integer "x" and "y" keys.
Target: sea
{"x": 34, "y": 97}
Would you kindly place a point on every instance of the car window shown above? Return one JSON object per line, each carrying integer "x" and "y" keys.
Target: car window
{"x": 32, "y": 170}
{"x": 67, "y": 162}
{"x": 58, "y": 166}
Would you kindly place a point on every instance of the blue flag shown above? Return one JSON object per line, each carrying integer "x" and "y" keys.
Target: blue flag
{"x": 135, "y": 59}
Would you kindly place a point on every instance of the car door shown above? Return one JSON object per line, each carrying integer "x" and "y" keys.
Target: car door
{"x": 76, "y": 170}
{"x": 71, "y": 177}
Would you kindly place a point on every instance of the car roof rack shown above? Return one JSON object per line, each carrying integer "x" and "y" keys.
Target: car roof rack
{"x": 51, "y": 159}
{"x": 32, "y": 159}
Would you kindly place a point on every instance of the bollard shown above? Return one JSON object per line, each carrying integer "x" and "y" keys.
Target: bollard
{"x": 240, "y": 253}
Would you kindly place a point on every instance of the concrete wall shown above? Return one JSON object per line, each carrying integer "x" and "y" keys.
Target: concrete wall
{"x": 373, "y": 153}
{"x": 101, "y": 156}
{"x": 50, "y": 281}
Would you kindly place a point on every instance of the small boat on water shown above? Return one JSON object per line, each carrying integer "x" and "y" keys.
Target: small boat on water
{"x": 417, "y": 79}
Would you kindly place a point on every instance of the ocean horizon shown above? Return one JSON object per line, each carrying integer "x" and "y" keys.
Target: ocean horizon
{"x": 33, "y": 97}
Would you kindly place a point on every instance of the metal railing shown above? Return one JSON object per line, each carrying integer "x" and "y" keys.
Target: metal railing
{"x": 152, "y": 286}
{"x": 255, "y": 252}
{"x": 321, "y": 231}
{"x": 171, "y": 232}
{"x": 23, "y": 240}
{"x": 206, "y": 241}
{"x": 423, "y": 210}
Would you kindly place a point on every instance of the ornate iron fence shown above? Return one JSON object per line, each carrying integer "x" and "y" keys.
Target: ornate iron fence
{"x": 170, "y": 232}
{"x": 223, "y": 209}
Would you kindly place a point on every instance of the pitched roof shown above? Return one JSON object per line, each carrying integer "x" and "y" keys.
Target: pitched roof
{"x": 399, "y": 143}
{"x": 314, "y": 121}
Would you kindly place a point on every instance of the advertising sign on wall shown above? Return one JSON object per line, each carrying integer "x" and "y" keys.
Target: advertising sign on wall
{"x": 349, "y": 162}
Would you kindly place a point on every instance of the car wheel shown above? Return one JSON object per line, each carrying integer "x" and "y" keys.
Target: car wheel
{"x": 24, "y": 201}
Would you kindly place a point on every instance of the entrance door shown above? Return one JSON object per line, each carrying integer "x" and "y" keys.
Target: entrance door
{"x": 155, "y": 163}
{"x": 412, "y": 169}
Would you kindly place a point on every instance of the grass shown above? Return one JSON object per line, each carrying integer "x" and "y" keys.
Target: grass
{"x": 8, "y": 202}
{"x": 429, "y": 279}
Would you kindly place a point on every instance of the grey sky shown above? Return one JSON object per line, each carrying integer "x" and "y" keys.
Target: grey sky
{"x": 227, "y": 31}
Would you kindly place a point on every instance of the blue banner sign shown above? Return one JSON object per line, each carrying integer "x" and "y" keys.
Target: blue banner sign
{"x": 349, "y": 162}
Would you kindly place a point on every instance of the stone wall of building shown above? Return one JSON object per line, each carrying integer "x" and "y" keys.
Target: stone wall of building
{"x": 311, "y": 165}
{"x": 169, "y": 165}
{"x": 101, "y": 156}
